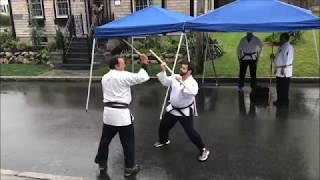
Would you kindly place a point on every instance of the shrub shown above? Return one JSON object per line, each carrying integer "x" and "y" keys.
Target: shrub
{"x": 52, "y": 46}
{"x": 59, "y": 40}
{"x": 21, "y": 46}
{"x": 7, "y": 42}
{"x": 295, "y": 38}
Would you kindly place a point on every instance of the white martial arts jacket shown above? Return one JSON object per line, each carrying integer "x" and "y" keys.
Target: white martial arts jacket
{"x": 284, "y": 57}
{"x": 116, "y": 88}
{"x": 249, "y": 50}
{"x": 180, "y": 96}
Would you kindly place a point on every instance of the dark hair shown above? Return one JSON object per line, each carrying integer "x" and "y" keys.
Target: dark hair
{"x": 190, "y": 66}
{"x": 113, "y": 62}
{"x": 285, "y": 36}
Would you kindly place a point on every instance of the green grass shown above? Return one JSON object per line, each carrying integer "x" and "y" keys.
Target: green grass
{"x": 22, "y": 69}
{"x": 305, "y": 62}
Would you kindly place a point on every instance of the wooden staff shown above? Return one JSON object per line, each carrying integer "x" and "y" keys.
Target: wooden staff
{"x": 138, "y": 52}
{"x": 162, "y": 62}
{"x": 172, "y": 73}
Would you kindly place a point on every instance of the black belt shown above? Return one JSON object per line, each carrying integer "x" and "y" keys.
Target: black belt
{"x": 178, "y": 109}
{"x": 285, "y": 66}
{"x": 117, "y": 105}
{"x": 248, "y": 54}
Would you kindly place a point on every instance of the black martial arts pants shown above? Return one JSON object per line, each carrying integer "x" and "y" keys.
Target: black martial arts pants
{"x": 169, "y": 120}
{"x": 283, "y": 90}
{"x": 126, "y": 134}
{"x": 243, "y": 69}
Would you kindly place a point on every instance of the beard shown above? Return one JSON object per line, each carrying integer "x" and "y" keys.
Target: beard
{"x": 182, "y": 73}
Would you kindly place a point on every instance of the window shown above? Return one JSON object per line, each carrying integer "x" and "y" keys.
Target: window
{"x": 36, "y": 8}
{"x": 140, "y": 4}
{"x": 62, "y": 8}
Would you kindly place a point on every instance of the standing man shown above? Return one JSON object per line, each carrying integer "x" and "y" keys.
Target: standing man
{"x": 248, "y": 51}
{"x": 116, "y": 116}
{"x": 181, "y": 107}
{"x": 283, "y": 69}
{"x": 97, "y": 13}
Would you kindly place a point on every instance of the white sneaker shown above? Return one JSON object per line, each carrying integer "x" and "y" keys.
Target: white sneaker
{"x": 204, "y": 155}
{"x": 158, "y": 144}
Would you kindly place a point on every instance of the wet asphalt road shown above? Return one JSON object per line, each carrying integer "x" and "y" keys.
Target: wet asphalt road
{"x": 44, "y": 128}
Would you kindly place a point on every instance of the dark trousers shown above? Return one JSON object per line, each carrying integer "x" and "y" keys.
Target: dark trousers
{"x": 243, "y": 69}
{"x": 126, "y": 134}
{"x": 283, "y": 90}
{"x": 169, "y": 120}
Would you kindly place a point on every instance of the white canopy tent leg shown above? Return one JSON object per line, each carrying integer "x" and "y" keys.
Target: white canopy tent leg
{"x": 316, "y": 45}
{"x": 91, "y": 69}
{"x": 189, "y": 60}
{"x": 270, "y": 78}
{"x": 215, "y": 72}
{"x": 132, "y": 58}
{"x": 187, "y": 46}
{"x": 174, "y": 65}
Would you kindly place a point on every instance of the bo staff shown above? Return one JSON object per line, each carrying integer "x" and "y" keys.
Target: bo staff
{"x": 172, "y": 73}
{"x": 131, "y": 46}
{"x": 162, "y": 62}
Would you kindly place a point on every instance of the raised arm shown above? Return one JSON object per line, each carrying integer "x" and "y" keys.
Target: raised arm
{"x": 162, "y": 76}
{"x": 142, "y": 76}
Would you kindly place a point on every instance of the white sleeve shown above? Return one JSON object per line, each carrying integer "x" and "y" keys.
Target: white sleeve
{"x": 288, "y": 56}
{"x": 164, "y": 79}
{"x": 191, "y": 88}
{"x": 132, "y": 79}
{"x": 285, "y": 57}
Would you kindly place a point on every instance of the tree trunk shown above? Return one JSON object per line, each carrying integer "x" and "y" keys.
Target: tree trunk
{"x": 199, "y": 42}
{"x": 199, "y": 51}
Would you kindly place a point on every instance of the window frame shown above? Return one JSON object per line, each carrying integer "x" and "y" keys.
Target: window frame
{"x": 135, "y": 5}
{"x": 30, "y": 3}
{"x": 56, "y": 9}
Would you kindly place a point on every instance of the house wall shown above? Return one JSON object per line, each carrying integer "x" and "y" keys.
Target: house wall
{"x": 123, "y": 10}
{"x": 182, "y": 6}
{"x": 49, "y": 27}
{"x": 79, "y": 7}
{"x": 21, "y": 19}
{"x": 175, "y": 5}
{"x": 21, "y": 14}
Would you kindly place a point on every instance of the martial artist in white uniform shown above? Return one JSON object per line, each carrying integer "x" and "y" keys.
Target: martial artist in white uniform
{"x": 248, "y": 51}
{"x": 116, "y": 115}
{"x": 283, "y": 60}
{"x": 181, "y": 107}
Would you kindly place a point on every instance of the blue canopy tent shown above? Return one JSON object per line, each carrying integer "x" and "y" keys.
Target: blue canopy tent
{"x": 148, "y": 21}
{"x": 256, "y": 16}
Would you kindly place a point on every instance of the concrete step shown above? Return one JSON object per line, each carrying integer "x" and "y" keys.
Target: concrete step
{"x": 79, "y": 49}
{"x": 75, "y": 66}
{"x": 78, "y": 54}
{"x": 77, "y": 61}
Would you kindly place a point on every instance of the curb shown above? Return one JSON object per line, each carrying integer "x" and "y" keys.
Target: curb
{"x": 38, "y": 175}
{"x": 153, "y": 78}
